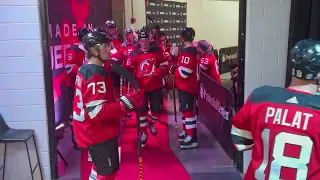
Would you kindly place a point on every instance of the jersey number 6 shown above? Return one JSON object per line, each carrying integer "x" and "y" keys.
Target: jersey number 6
{"x": 280, "y": 160}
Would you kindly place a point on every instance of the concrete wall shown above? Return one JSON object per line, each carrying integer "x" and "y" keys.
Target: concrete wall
{"x": 22, "y": 94}
{"x": 267, "y": 33}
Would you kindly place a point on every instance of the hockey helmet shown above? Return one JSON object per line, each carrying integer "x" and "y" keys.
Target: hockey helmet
{"x": 145, "y": 29}
{"x": 188, "y": 34}
{"x": 305, "y": 57}
{"x": 143, "y": 35}
{"x": 111, "y": 24}
{"x": 128, "y": 31}
{"x": 81, "y": 33}
{"x": 204, "y": 45}
{"x": 94, "y": 39}
{"x": 99, "y": 29}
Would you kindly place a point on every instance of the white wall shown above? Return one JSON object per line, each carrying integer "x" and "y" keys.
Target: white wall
{"x": 22, "y": 94}
{"x": 266, "y": 46}
{"x": 214, "y": 21}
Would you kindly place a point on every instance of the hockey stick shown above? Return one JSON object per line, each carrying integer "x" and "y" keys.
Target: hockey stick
{"x": 120, "y": 134}
{"x": 127, "y": 75}
{"x": 174, "y": 101}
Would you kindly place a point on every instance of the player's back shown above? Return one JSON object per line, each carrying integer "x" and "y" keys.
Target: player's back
{"x": 285, "y": 126}
{"x": 186, "y": 76}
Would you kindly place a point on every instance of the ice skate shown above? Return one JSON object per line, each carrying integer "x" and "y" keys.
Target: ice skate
{"x": 182, "y": 136}
{"x": 153, "y": 129}
{"x": 143, "y": 139}
{"x": 189, "y": 142}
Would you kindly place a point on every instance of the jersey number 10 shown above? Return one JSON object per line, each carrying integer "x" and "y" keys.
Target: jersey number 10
{"x": 96, "y": 87}
{"x": 185, "y": 60}
{"x": 280, "y": 160}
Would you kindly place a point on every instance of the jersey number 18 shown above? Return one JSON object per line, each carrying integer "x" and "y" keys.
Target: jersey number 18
{"x": 280, "y": 160}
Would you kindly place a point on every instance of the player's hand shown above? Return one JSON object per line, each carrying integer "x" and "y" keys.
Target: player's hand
{"x": 172, "y": 67}
{"x": 133, "y": 100}
{"x": 159, "y": 72}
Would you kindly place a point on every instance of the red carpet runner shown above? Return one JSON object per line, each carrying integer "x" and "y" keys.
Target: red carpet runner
{"x": 159, "y": 162}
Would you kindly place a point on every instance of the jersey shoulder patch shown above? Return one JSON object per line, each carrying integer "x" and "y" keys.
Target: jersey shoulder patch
{"x": 89, "y": 70}
{"x": 191, "y": 50}
{"x": 279, "y": 95}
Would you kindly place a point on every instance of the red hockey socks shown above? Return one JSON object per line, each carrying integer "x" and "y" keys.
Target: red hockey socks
{"x": 154, "y": 118}
{"x": 143, "y": 120}
{"x": 184, "y": 123}
{"x": 190, "y": 123}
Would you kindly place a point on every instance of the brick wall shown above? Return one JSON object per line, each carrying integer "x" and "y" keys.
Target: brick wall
{"x": 22, "y": 94}
{"x": 266, "y": 46}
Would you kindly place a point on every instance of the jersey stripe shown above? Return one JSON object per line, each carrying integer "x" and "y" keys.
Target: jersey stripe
{"x": 94, "y": 107}
{"x": 184, "y": 72}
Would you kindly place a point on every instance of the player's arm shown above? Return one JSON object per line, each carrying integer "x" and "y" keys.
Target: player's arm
{"x": 184, "y": 68}
{"x": 241, "y": 129}
{"x": 131, "y": 62}
{"x": 215, "y": 69}
{"x": 99, "y": 108}
{"x": 71, "y": 66}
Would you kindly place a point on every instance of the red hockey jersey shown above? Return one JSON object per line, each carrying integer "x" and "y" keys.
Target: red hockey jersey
{"x": 209, "y": 65}
{"x": 145, "y": 63}
{"x": 282, "y": 128}
{"x": 75, "y": 58}
{"x": 185, "y": 76}
{"x": 127, "y": 48}
{"x": 96, "y": 112}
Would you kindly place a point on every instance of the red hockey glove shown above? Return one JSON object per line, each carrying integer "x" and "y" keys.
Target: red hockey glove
{"x": 160, "y": 72}
{"x": 133, "y": 100}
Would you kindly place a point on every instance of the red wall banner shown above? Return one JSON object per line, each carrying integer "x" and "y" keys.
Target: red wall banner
{"x": 65, "y": 18}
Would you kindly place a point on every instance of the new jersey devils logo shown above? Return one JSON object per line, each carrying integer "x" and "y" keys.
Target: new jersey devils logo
{"x": 147, "y": 66}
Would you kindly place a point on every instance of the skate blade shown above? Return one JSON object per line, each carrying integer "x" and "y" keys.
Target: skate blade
{"x": 193, "y": 145}
{"x": 119, "y": 151}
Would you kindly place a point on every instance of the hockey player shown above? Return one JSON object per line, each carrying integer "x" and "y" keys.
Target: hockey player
{"x": 75, "y": 58}
{"x": 150, "y": 68}
{"x": 160, "y": 38}
{"x": 185, "y": 77}
{"x": 128, "y": 45}
{"x": 208, "y": 62}
{"x": 281, "y": 126}
{"x": 96, "y": 111}
{"x": 112, "y": 33}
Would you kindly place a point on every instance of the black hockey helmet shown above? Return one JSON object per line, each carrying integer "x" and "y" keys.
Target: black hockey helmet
{"x": 95, "y": 39}
{"x": 305, "y": 57}
{"x": 188, "y": 34}
{"x": 143, "y": 35}
{"x": 111, "y": 24}
{"x": 99, "y": 29}
{"x": 145, "y": 29}
{"x": 128, "y": 31}
{"x": 81, "y": 33}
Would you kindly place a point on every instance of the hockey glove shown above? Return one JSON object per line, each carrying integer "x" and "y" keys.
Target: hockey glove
{"x": 133, "y": 100}
{"x": 160, "y": 72}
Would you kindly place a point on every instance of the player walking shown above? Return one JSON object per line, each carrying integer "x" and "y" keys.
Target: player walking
{"x": 208, "y": 62}
{"x": 96, "y": 111}
{"x": 112, "y": 32}
{"x": 185, "y": 77}
{"x": 281, "y": 126}
{"x": 150, "y": 68}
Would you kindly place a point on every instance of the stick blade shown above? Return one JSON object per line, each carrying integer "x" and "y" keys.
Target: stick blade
{"x": 125, "y": 74}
